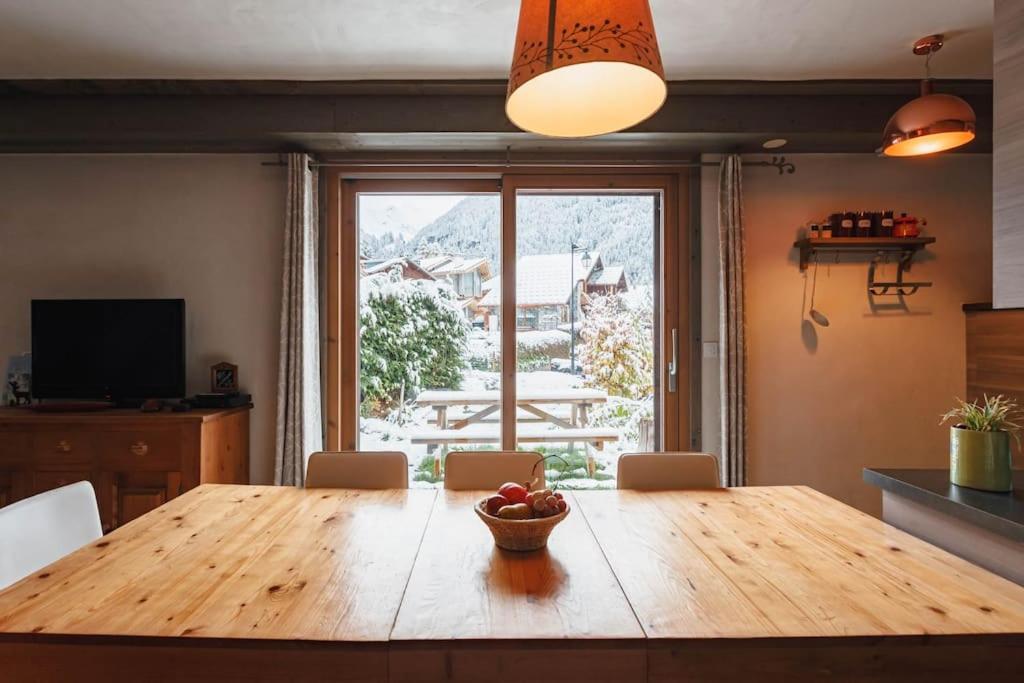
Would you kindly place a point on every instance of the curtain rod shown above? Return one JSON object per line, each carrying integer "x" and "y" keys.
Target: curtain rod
{"x": 779, "y": 163}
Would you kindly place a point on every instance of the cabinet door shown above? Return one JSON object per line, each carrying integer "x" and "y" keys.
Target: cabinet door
{"x": 137, "y": 493}
{"x": 49, "y": 480}
{"x": 133, "y": 503}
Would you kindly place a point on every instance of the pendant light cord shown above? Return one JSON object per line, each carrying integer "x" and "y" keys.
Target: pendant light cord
{"x": 552, "y": 11}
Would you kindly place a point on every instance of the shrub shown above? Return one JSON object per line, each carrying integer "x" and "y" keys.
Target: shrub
{"x": 616, "y": 349}
{"x": 412, "y": 337}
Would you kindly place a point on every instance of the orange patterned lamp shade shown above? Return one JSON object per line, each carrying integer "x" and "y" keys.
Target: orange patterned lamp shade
{"x": 584, "y": 67}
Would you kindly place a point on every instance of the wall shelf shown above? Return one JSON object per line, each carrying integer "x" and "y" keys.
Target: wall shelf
{"x": 906, "y": 247}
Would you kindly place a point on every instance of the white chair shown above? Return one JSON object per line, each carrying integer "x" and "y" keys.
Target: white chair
{"x": 473, "y": 470}
{"x": 44, "y": 528}
{"x": 358, "y": 470}
{"x": 668, "y": 471}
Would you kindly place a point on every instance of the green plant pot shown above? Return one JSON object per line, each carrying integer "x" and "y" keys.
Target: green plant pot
{"x": 980, "y": 460}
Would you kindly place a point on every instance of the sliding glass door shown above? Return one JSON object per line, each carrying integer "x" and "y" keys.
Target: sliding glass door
{"x": 586, "y": 328}
{"x": 529, "y": 312}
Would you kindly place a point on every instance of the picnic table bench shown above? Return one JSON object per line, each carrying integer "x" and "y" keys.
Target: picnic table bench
{"x": 537, "y": 428}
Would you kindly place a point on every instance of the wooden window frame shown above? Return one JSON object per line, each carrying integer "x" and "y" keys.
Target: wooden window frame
{"x": 342, "y": 309}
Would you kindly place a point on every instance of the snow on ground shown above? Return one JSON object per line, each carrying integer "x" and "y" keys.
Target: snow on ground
{"x": 393, "y": 434}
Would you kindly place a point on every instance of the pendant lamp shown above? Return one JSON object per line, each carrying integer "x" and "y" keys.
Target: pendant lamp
{"x": 584, "y": 67}
{"x": 932, "y": 122}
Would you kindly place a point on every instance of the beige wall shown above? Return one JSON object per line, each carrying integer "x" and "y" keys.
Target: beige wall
{"x": 206, "y": 228}
{"x": 867, "y": 391}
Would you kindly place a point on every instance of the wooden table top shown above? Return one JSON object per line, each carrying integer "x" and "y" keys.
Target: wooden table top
{"x": 463, "y": 586}
{"x": 252, "y": 562}
{"x": 788, "y": 562}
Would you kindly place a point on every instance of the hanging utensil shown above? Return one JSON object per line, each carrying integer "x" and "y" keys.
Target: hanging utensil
{"x": 816, "y": 315}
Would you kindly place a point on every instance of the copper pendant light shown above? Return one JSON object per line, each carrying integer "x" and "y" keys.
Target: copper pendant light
{"x": 931, "y": 123}
{"x": 584, "y": 67}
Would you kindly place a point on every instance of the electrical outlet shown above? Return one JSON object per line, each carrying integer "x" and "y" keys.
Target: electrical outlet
{"x": 711, "y": 349}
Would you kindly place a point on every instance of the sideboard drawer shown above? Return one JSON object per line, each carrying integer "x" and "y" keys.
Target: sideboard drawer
{"x": 62, "y": 449}
{"x": 144, "y": 449}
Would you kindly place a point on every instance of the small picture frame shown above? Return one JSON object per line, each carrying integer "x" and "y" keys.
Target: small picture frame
{"x": 224, "y": 378}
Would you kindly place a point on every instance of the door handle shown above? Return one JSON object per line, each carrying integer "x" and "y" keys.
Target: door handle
{"x": 673, "y": 365}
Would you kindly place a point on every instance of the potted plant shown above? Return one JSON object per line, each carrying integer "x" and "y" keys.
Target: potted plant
{"x": 979, "y": 443}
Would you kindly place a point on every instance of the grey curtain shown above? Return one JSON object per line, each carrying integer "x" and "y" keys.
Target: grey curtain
{"x": 299, "y": 429}
{"x": 731, "y": 328}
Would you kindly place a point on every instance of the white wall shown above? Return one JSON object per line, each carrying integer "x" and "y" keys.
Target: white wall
{"x": 867, "y": 391}
{"x": 205, "y": 228}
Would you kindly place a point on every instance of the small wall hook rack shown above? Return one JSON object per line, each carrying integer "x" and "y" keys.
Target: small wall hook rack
{"x": 902, "y": 287}
{"x": 879, "y": 248}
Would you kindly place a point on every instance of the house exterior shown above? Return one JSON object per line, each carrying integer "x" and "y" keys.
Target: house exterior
{"x": 466, "y": 274}
{"x": 544, "y": 287}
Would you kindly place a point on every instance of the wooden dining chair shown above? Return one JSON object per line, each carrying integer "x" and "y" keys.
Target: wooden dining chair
{"x": 357, "y": 470}
{"x": 668, "y": 471}
{"x": 469, "y": 470}
{"x": 44, "y": 528}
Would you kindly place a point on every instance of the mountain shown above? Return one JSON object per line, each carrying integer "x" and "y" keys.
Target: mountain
{"x": 619, "y": 227}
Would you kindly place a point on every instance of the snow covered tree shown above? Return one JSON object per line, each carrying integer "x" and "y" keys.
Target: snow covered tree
{"x": 616, "y": 348}
{"x": 412, "y": 337}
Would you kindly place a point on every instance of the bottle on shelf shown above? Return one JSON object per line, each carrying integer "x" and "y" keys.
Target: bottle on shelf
{"x": 814, "y": 231}
{"x": 826, "y": 230}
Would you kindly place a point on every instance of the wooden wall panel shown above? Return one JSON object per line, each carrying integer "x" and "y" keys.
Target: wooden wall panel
{"x": 1008, "y": 150}
{"x": 995, "y": 353}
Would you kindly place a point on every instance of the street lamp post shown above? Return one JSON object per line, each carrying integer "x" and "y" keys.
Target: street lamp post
{"x": 573, "y": 248}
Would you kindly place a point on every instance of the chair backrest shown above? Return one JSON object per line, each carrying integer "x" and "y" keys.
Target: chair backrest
{"x": 468, "y": 470}
{"x": 44, "y": 528}
{"x": 667, "y": 471}
{"x": 358, "y": 470}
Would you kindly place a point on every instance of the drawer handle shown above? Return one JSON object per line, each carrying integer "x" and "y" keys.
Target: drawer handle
{"x": 140, "y": 448}
{"x": 64, "y": 446}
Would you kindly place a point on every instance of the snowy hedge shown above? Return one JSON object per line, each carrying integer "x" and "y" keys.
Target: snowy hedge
{"x": 412, "y": 337}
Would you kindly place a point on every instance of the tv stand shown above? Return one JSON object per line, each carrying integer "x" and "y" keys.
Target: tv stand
{"x": 135, "y": 461}
{"x": 71, "y": 406}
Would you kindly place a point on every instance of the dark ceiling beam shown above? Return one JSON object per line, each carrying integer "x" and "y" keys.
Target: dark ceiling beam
{"x": 333, "y": 116}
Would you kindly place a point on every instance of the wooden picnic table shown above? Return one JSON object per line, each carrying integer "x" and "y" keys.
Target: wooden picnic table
{"x": 488, "y": 402}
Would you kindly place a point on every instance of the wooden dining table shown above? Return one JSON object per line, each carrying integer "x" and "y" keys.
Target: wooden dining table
{"x": 254, "y": 583}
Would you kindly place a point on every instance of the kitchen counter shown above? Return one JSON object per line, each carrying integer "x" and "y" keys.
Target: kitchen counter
{"x": 984, "y": 527}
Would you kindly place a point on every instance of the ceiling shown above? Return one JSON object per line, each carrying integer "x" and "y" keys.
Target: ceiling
{"x": 454, "y": 39}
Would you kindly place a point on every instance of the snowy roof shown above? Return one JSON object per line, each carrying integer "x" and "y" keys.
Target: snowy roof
{"x": 544, "y": 279}
{"x": 609, "y": 277}
{"x": 450, "y": 264}
{"x": 374, "y": 266}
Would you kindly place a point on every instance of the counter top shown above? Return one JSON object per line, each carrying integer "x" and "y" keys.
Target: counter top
{"x": 1001, "y": 513}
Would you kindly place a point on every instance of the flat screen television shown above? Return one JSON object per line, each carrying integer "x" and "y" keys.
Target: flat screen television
{"x": 120, "y": 350}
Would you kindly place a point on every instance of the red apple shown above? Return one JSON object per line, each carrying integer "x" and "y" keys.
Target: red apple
{"x": 515, "y": 493}
{"x": 495, "y": 503}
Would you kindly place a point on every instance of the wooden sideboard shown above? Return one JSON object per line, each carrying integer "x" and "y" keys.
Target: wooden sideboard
{"x": 136, "y": 461}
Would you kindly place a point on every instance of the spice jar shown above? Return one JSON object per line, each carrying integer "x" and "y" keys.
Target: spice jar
{"x": 886, "y": 224}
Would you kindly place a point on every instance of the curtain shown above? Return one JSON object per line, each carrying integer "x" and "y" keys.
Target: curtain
{"x": 731, "y": 328}
{"x": 299, "y": 429}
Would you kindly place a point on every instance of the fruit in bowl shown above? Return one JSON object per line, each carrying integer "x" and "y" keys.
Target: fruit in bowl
{"x": 520, "y": 518}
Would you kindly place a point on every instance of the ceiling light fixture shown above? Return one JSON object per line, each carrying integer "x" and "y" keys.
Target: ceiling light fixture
{"x": 774, "y": 143}
{"x": 932, "y": 122}
{"x": 584, "y": 68}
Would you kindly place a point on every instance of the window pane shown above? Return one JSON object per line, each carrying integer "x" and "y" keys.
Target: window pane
{"x": 430, "y": 350}
{"x": 585, "y": 315}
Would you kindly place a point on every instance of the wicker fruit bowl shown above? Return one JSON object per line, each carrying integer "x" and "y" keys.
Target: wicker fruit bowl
{"x": 519, "y": 534}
